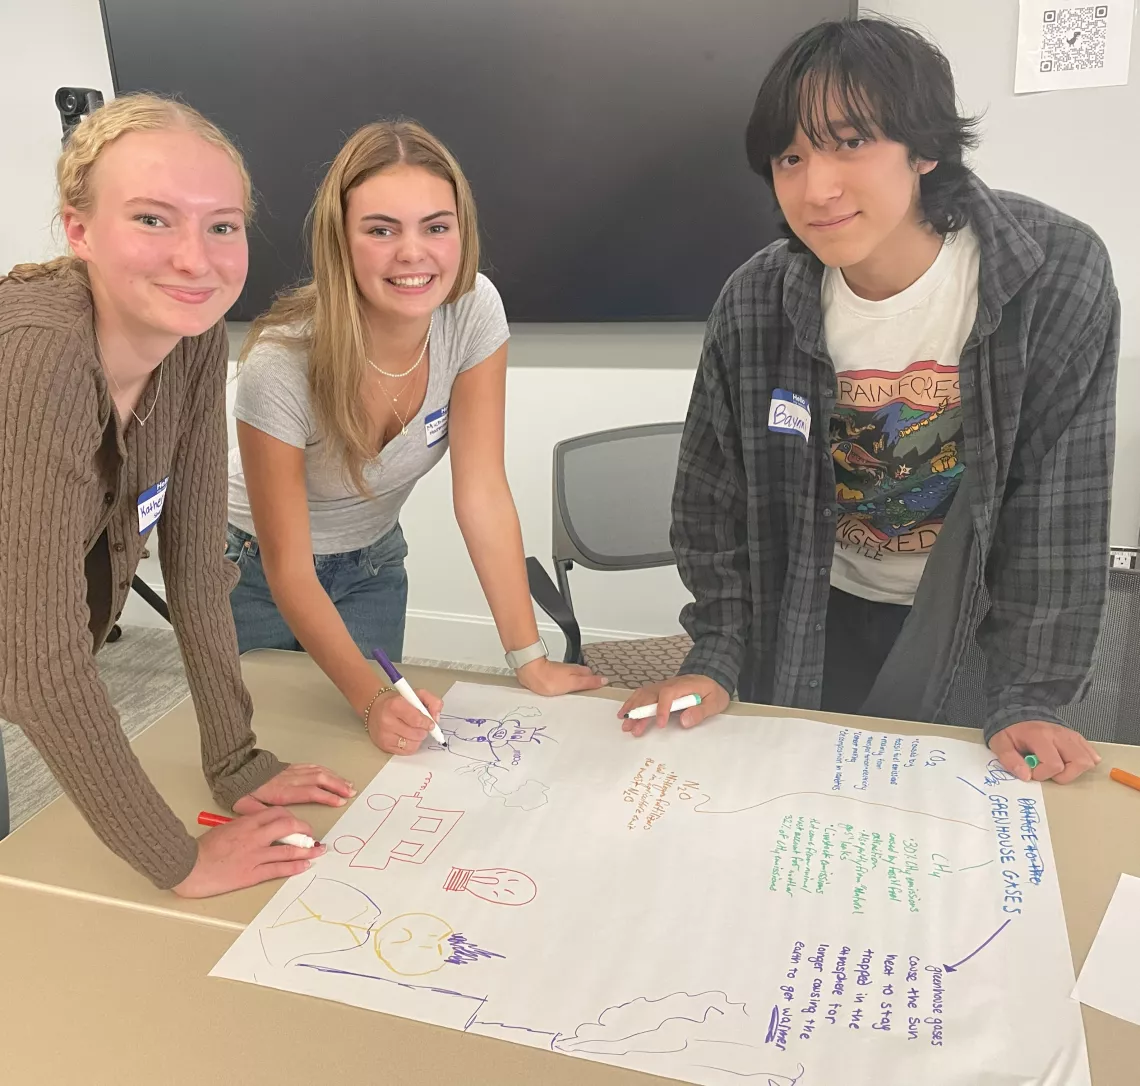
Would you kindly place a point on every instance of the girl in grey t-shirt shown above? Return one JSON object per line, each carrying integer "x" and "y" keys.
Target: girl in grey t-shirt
{"x": 353, "y": 387}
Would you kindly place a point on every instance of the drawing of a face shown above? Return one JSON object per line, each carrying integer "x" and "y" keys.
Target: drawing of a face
{"x": 498, "y": 885}
{"x": 514, "y": 732}
{"x": 413, "y": 944}
{"x": 503, "y": 886}
{"x": 493, "y": 734}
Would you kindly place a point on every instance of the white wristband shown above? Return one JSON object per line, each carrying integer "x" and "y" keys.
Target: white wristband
{"x": 522, "y": 657}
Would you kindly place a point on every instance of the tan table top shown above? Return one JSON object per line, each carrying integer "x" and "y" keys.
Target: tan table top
{"x": 301, "y": 717}
{"x": 85, "y": 1000}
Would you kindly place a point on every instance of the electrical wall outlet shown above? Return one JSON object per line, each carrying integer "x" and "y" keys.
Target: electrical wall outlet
{"x": 1123, "y": 558}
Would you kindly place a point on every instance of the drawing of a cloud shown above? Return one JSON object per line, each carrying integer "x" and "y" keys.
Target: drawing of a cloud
{"x": 667, "y": 1024}
{"x": 528, "y": 796}
{"x": 712, "y": 1032}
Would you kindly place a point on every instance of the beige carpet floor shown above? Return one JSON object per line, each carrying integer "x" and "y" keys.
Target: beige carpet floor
{"x": 143, "y": 672}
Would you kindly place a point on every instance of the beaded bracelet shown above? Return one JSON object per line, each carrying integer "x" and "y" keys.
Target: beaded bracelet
{"x": 383, "y": 690}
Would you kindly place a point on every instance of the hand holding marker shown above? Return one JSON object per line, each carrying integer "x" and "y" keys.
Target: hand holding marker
{"x": 301, "y": 840}
{"x": 404, "y": 689}
{"x": 642, "y": 712}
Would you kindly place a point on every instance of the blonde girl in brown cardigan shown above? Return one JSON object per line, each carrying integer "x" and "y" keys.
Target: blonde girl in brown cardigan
{"x": 112, "y": 419}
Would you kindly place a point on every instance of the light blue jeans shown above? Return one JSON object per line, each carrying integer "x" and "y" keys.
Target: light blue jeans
{"x": 369, "y": 588}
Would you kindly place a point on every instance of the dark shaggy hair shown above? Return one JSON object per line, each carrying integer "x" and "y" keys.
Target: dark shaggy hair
{"x": 885, "y": 79}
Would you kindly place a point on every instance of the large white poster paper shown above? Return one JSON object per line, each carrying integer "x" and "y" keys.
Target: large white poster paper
{"x": 769, "y": 901}
{"x": 1067, "y": 46}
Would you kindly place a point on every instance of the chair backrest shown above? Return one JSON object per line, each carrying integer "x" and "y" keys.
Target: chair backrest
{"x": 1110, "y": 710}
{"x": 613, "y": 493}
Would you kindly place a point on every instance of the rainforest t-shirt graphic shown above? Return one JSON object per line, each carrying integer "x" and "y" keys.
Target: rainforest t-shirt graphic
{"x": 895, "y": 432}
{"x": 895, "y": 439}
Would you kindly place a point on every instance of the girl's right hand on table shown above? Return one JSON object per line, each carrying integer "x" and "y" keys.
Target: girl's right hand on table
{"x": 241, "y": 853}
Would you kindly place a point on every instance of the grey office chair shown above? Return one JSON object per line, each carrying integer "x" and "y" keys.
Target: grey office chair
{"x": 1110, "y": 710}
{"x": 612, "y": 509}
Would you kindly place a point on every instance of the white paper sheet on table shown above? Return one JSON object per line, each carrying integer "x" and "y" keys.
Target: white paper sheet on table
{"x": 757, "y": 900}
{"x": 1073, "y": 45}
{"x": 1108, "y": 977}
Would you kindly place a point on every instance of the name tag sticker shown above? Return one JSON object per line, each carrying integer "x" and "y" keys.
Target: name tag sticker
{"x": 435, "y": 427}
{"x": 789, "y": 413}
{"x": 150, "y": 506}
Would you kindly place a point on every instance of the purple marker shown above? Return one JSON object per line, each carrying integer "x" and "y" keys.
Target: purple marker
{"x": 404, "y": 689}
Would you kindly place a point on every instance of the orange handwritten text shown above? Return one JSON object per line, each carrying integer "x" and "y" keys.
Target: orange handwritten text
{"x": 649, "y": 793}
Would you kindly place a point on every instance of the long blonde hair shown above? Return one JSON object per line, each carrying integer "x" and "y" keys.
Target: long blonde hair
{"x": 93, "y": 135}
{"x": 325, "y": 315}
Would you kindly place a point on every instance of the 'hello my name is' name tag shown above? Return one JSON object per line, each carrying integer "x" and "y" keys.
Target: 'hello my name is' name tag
{"x": 789, "y": 413}
{"x": 150, "y": 506}
{"x": 435, "y": 426}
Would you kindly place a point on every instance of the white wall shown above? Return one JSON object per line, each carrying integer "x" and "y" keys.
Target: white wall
{"x": 43, "y": 46}
{"x": 568, "y": 380}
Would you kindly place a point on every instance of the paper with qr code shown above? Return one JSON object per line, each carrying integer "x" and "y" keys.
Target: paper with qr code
{"x": 1069, "y": 46}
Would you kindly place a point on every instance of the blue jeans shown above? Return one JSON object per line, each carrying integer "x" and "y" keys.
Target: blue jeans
{"x": 369, "y": 588}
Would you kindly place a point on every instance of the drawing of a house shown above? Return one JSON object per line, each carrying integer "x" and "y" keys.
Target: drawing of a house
{"x": 408, "y": 832}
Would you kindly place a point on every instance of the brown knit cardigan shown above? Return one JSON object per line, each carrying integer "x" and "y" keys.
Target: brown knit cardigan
{"x": 70, "y": 479}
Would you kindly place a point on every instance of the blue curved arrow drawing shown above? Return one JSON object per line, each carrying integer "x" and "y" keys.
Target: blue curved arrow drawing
{"x": 953, "y": 968}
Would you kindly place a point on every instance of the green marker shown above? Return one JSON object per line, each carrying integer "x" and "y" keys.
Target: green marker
{"x": 1032, "y": 761}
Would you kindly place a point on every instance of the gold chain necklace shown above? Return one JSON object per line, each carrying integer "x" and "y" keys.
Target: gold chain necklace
{"x": 404, "y": 422}
{"x": 393, "y": 398}
{"x": 119, "y": 388}
{"x": 415, "y": 365}
{"x": 403, "y": 388}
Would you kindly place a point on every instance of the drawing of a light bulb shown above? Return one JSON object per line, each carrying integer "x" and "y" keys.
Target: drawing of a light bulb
{"x": 498, "y": 885}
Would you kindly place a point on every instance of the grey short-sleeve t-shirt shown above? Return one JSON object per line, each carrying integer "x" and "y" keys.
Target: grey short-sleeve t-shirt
{"x": 273, "y": 396}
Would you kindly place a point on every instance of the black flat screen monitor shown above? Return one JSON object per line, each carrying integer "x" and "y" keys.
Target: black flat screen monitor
{"x": 604, "y": 139}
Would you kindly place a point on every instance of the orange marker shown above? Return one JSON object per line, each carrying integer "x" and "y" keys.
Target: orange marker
{"x": 1129, "y": 779}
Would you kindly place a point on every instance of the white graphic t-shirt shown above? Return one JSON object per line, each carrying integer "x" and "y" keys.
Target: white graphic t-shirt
{"x": 897, "y": 424}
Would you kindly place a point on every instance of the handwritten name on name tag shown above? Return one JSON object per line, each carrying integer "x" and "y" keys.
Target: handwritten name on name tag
{"x": 150, "y": 506}
{"x": 435, "y": 426}
{"x": 789, "y": 413}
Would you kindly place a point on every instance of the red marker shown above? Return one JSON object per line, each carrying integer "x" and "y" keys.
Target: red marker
{"x": 301, "y": 840}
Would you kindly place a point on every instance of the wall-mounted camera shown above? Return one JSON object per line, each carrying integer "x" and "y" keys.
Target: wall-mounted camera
{"x": 74, "y": 103}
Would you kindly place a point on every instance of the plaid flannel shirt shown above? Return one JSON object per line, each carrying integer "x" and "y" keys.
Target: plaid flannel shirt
{"x": 754, "y": 510}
